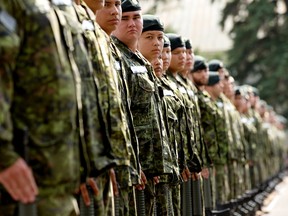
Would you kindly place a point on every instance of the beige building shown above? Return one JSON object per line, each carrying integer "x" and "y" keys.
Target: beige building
{"x": 197, "y": 20}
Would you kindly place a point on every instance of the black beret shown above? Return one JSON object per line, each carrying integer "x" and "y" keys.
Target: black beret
{"x": 176, "y": 41}
{"x": 166, "y": 41}
{"x": 152, "y": 23}
{"x": 130, "y": 5}
{"x": 215, "y": 65}
{"x": 213, "y": 78}
{"x": 199, "y": 63}
{"x": 188, "y": 44}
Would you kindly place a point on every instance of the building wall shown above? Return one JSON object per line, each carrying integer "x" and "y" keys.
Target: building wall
{"x": 197, "y": 20}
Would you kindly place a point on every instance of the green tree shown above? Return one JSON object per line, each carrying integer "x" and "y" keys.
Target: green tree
{"x": 259, "y": 55}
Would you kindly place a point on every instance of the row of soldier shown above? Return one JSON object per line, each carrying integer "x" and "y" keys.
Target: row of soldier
{"x": 100, "y": 109}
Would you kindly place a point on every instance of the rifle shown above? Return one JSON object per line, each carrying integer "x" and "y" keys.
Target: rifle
{"x": 20, "y": 142}
{"x": 140, "y": 202}
{"x": 87, "y": 210}
{"x": 196, "y": 197}
{"x": 186, "y": 197}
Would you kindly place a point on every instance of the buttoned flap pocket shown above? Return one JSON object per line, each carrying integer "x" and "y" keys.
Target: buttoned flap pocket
{"x": 142, "y": 91}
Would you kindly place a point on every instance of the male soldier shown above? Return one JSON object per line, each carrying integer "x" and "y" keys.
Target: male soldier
{"x": 154, "y": 154}
{"x": 242, "y": 104}
{"x": 114, "y": 139}
{"x": 151, "y": 45}
{"x": 200, "y": 76}
{"x": 39, "y": 96}
{"x": 108, "y": 18}
{"x": 192, "y": 161}
{"x": 236, "y": 153}
{"x": 184, "y": 79}
{"x": 214, "y": 88}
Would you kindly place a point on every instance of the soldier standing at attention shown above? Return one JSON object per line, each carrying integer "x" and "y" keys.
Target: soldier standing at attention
{"x": 127, "y": 177}
{"x": 39, "y": 98}
{"x": 112, "y": 141}
{"x": 150, "y": 45}
{"x": 214, "y": 88}
{"x": 191, "y": 159}
{"x": 200, "y": 77}
{"x": 154, "y": 154}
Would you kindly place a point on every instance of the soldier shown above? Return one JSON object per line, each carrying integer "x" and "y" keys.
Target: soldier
{"x": 214, "y": 88}
{"x": 154, "y": 154}
{"x": 190, "y": 154}
{"x": 108, "y": 18}
{"x": 151, "y": 45}
{"x": 39, "y": 94}
{"x": 236, "y": 153}
{"x": 242, "y": 105}
{"x": 115, "y": 139}
{"x": 199, "y": 75}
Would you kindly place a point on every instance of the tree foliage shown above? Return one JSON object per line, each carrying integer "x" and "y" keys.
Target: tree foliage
{"x": 259, "y": 55}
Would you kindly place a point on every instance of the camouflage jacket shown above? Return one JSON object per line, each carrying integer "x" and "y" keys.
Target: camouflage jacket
{"x": 110, "y": 138}
{"x": 173, "y": 110}
{"x": 208, "y": 122}
{"x": 187, "y": 125}
{"x": 38, "y": 95}
{"x": 133, "y": 144}
{"x": 154, "y": 153}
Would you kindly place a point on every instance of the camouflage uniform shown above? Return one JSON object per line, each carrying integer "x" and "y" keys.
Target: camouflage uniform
{"x": 154, "y": 153}
{"x": 188, "y": 151}
{"x": 125, "y": 183}
{"x": 173, "y": 110}
{"x": 112, "y": 121}
{"x": 236, "y": 153}
{"x": 250, "y": 134}
{"x": 223, "y": 138}
{"x": 211, "y": 154}
{"x": 197, "y": 184}
{"x": 39, "y": 99}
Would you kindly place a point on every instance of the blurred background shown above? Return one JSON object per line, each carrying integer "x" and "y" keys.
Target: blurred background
{"x": 250, "y": 36}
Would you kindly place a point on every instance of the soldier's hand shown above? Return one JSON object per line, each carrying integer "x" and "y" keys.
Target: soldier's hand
{"x": 114, "y": 182}
{"x": 84, "y": 191}
{"x": 156, "y": 179}
{"x": 18, "y": 180}
{"x": 185, "y": 174}
{"x": 143, "y": 181}
{"x": 205, "y": 173}
{"x": 195, "y": 176}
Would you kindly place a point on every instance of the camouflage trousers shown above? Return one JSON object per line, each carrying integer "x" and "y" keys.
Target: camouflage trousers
{"x": 64, "y": 205}
{"x": 164, "y": 203}
{"x": 221, "y": 184}
{"x": 236, "y": 179}
{"x": 176, "y": 199}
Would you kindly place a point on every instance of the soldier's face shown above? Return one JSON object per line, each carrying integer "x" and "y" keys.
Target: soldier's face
{"x": 150, "y": 44}
{"x": 178, "y": 59}
{"x": 130, "y": 28}
{"x": 109, "y": 16}
{"x": 189, "y": 59}
{"x": 200, "y": 77}
{"x": 166, "y": 57}
{"x": 218, "y": 89}
{"x": 95, "y": 5}
{"x": 157, "y": 65}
